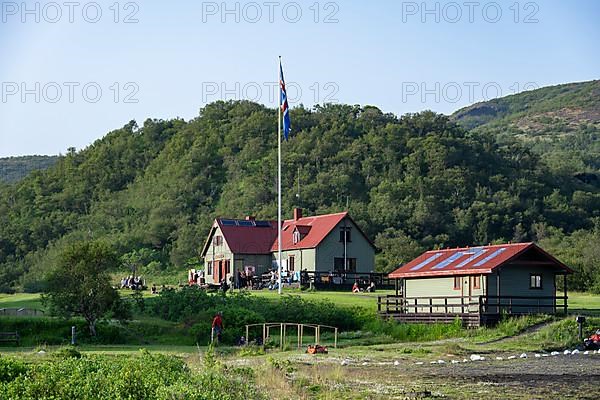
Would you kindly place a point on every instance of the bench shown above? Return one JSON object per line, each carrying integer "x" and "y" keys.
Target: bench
{"x": 10, "y": 337}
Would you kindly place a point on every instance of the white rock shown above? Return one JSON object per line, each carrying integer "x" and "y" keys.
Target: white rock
{"x": 586, "y": 352}
{"x": 575, "y": 351}
{"x": 419, "y": 363}
{"x": 523, "y": 355}
{"x": 396, "y": 362}
{"x": 365, "y": 363}
{"x": 512, "y": 357}
{"x": 455, "y": 362}
{"x": 441, "y": 362}
{"x": 465, "y": 360}
{"x": 345, "y": 362}
{"x": 41, "y": 352}
{"x": 554, "y": 353}
{"x": 545, "y": 355}
{"x": 432, "y": 362}
{"x": 499, "y": 358}
{"x": 475, "y": 357}
{"x": 537, "y": 355}
{"x": 566, "y": 352}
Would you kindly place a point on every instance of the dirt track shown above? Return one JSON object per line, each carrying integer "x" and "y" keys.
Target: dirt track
{"x": 558, "y": 377}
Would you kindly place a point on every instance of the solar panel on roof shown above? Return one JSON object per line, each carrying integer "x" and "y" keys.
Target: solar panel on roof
{"x": 449, "y": 260}
{"x": 474, "y": 254}
{"x": 245, "y": 223}
{"x": 424, "y": 263}
{"x": 263, "y": 223}
{"x": 488, "y": 258}
{"x": 228, "y": 222}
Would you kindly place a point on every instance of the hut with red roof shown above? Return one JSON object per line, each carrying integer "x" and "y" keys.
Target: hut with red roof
{"x": 477, "y": 285}
{"x": 331, "y": 248}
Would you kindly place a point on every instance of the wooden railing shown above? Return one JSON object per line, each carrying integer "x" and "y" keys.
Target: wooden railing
{"x": 392, "y": 304}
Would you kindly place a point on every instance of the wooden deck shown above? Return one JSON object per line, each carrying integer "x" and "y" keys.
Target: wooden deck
{"x": 473, "y": 311}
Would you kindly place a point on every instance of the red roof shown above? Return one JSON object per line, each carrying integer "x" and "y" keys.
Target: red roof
{"x": 468, "y": 260}
{"x": 318, "y": 228}
{"x": 260, "y": 237}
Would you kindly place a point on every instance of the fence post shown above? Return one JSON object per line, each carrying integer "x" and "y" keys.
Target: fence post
{"x": 445, "y": 305}
{"x": 335, "y": 338}
{"x": 430, "y": 305}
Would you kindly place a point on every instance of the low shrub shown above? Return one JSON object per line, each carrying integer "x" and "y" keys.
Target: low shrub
{"x": 146, "y": 376}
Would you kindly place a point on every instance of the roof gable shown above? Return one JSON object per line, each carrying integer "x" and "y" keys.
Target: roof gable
{"x": 469, "y": 260}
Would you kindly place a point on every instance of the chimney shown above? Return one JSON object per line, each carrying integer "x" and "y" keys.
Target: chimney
{"x": 297, "y": 214}
{"x": 250, "y": 218}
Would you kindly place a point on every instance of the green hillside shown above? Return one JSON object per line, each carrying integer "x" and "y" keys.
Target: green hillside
{"x": 412, "y": 182}
{"x": 13, "y": 169}
{"x": 562, "y": 123}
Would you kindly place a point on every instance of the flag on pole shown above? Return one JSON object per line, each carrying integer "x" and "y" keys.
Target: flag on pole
{"x": 285, "y": 109}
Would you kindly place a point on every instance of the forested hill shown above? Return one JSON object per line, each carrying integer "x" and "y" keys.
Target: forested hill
{"x": 13, "y": 169}
{"x": 412, "y": 182}
{"x": 562, "y": 123}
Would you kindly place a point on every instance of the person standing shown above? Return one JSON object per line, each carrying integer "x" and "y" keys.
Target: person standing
{"x": 217, "y": 328}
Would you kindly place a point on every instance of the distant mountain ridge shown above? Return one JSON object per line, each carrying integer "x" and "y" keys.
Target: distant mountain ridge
{"x": 13, "y": 169}
{"x": 562, "y": 123}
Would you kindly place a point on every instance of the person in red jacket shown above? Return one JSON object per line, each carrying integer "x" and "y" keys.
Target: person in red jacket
{"x": 217, "y": 327}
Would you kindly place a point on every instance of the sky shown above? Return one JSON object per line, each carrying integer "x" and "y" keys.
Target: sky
{"x": 72, "y": 71}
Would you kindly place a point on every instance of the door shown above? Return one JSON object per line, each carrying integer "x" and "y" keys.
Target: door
{"x": 216, "y": 271}
{"x": 466, "y": 291}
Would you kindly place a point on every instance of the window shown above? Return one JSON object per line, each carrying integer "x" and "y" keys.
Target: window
{"x": 348, "y": 234}
{"x": 457, "y": 280}
{"x": 476, "y": 281}
{"x": 291, "y": 263}
{"x": 535, "y": 281}
{"x": 296, "y": 237}
{"x": 209, "y": 268}
{"x": 338, "y": 264}
{"x": 227, "y": 266}
{"x": 218, "y": 240}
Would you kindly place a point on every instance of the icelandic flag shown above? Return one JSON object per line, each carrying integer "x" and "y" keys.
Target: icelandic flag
{"x": 285, "y": 109}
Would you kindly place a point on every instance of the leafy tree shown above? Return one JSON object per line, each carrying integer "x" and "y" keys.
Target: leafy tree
{"x": 80, "y": 284}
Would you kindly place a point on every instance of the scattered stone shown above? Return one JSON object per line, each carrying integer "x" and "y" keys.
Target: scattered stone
{"x": 441, "y": 362}
{"x": 512, "y": 357}
{"x": 499, "y": 358}
{"x": 419, "y": 363}
{"x": 537, "y": 355}
{"x": 523, "y": 355}
{"x": 433, "y": 362}
{"x": 554, "y": 353}
{"x": 545, "y": 355}
{"x": 566, "y": 352}
{"x": 345, "y": 362}
{"x": 41, "y": 352}
{"x": 455, "y": 361}
{"x": 396, "y": 362}
{"x": 465, "y": 360}
{"x": 575, "y": 352}
{"x": 586, "y": 352}
{"x": 475, "y": 357}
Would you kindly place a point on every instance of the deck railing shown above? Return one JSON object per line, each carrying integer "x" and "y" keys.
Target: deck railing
{"x": 482, "y": 305}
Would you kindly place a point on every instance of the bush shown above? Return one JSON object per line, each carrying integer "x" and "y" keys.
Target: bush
{"x": 196, "y": 308}
{"x": 146, "y": 376}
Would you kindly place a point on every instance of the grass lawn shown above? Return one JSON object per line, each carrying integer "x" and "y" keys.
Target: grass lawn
{"x": 577, "y": 300}
{"x": 366, "y": 300}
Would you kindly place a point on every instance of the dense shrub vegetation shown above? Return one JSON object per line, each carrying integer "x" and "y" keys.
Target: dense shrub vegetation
{"x": 147, "y": 376}
{"x": 197, "y": 308}
{"x": 412, "y": 183}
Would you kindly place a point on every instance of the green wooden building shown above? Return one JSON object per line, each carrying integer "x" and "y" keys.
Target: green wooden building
{"x": 477, "y": 284}
{"x": 330, "y": 246}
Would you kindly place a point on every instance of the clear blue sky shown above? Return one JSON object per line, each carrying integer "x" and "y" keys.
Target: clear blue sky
{"x": 180, "y": 55}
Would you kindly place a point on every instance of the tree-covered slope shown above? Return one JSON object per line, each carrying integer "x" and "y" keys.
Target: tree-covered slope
{"x": 412, "y": 182}
{"x": 562, "y": 123}
{"x": 13, "y": 169}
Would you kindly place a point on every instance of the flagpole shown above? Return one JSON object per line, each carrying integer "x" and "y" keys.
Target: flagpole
{"x": 279, "y": 269}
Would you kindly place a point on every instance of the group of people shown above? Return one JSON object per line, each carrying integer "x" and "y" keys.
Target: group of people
{"x": 245, "y": 279}
{"x": 196, "y": 277}
{"x": 132, "y": 282}
{"x": 357, "y": 289}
